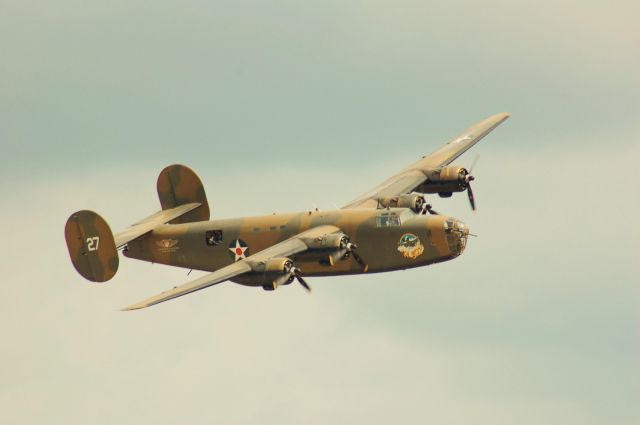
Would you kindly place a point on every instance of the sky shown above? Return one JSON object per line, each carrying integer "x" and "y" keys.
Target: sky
{"x": 284, "y": 106}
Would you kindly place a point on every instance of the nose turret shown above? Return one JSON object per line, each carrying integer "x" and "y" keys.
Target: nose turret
{"x": 456, "y": 233}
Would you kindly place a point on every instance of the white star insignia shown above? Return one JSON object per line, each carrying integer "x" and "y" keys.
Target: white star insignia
{"x": 239, "y": 251}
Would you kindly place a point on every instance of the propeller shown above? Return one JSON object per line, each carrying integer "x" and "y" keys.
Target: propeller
{"x": 422, "y": 208}
{"x": 468, "y": 178}
{"x": 297, "y": 273}
{"x": 472, "y": 200}
{"x": 351, "y": 247}
{"x": 429, "y": 209}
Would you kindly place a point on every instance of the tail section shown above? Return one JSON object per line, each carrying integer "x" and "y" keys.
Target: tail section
{"x": 178, "y": 185}
{"x": 91, "y": 246}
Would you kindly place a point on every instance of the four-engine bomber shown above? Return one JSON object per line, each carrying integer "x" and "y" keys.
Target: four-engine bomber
{"x": 391, "y": 227}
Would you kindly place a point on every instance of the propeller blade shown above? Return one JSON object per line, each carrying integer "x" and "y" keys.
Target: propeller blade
{"x": 351, "y": 247}
{"x": 430, "y": 210}
{"x": 360, "y": 261}
{"x": 474, "y": 163}
{"x": 472, "y": 199}
{"x": 301, "y": 280}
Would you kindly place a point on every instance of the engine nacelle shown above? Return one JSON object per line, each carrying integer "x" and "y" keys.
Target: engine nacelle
{"x": 414, "y": 201}
{"x": 446, "y": 181}
{"x": 327, "y": 249}
{"x": 330, "y": 242}
{"x": 269, "y": 274}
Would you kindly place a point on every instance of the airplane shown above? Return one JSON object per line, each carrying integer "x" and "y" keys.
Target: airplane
{"x": 391, "y": 227}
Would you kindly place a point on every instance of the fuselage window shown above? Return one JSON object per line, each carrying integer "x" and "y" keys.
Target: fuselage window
{"x": 213, "y": 237}
{"x": 388, "y": 220}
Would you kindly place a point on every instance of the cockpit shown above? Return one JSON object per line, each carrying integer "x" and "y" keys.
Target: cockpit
{"x": 388, "y": 219}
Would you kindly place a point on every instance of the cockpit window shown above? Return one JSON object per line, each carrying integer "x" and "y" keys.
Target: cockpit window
{"x": 388, "y": 220}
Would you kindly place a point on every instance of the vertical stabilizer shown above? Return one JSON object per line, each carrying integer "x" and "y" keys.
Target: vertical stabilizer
{"x": 91, "y": 246}
{"x": 178, "y": 185}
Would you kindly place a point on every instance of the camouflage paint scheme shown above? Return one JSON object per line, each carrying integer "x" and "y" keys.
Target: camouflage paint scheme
{"x": 80, "y": 232}
{"x": 377, "y": 245}
{"x": 388, "y": 228}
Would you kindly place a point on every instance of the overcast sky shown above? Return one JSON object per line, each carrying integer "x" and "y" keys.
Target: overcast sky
{"x": 286, "y": 105}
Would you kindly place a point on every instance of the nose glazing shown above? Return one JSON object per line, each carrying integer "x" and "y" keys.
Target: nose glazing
{"x": 456, "y": 233}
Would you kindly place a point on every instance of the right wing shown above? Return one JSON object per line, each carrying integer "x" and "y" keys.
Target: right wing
{"x": 291, "y": 246}
{"x": 414, "y": 175}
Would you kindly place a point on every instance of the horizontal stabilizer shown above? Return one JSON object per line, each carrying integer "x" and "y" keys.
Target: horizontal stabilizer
{"x": 94, "y": 249}
{"x": 148, "y": 224}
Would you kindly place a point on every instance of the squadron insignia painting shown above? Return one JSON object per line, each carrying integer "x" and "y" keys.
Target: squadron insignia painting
{"x": 391, "y": 227}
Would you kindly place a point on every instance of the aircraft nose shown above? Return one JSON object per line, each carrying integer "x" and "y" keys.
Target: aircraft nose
{"x": 456, "y": 233}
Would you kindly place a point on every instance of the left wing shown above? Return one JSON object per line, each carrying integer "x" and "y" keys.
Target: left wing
{"x": 410, "y": 178}
{"x": 291, "y": 246}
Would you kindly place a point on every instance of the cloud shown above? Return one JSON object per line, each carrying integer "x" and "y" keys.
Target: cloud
{"x": 288, "y": 106}
{"x": 127, "y": 82}
{"x": 534, "y": 323}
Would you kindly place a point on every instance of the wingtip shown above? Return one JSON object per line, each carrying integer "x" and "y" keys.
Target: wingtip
{"x": 494, "y": 120}
{"x": 133, "y": 307}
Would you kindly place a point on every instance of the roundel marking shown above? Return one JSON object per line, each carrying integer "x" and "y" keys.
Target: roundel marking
{"x": 239, "y": 249}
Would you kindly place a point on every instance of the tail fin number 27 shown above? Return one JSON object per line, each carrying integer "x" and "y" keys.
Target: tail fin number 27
{"x": 92, "y": 243}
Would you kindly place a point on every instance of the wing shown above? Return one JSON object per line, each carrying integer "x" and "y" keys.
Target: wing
{"x": 416, "y": 174}
{"x": 205, "y": 281}
{"x": 291, "y": 246}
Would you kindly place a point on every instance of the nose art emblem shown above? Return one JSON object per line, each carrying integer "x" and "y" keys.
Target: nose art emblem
{"x": 410, "y": 247}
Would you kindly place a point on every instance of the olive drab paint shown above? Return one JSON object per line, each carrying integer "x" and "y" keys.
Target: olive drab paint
{"x": 178, "y": 185}
{"x": 391, "y": 227}
{"x": 91, "y": 246}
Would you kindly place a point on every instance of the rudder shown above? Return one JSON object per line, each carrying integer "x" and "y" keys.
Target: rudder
{"x": 178, "y": 185}
{"x": 91, "y": 246}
